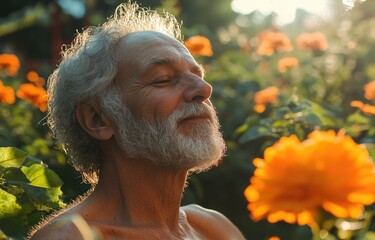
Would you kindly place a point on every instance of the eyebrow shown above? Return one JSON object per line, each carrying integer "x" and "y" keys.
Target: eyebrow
{"x": 195, "y": 67}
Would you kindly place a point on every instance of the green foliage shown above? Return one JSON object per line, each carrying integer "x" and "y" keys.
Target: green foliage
{"x": 291, "y": 116}
{"x": 315, "y": 95}
{"x": 28, "y": 191}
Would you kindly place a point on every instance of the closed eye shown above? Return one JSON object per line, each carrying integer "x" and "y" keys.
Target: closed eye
{"x": 163, "y": 81}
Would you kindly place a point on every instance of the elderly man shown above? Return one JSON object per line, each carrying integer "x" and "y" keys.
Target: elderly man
{"x": 130, "y": 106}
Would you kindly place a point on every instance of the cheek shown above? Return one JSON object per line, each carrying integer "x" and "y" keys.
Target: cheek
{"x": 164, "y": 104}
{"x": 153, "y": 104}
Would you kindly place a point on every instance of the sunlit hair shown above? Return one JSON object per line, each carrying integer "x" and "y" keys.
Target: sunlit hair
{"x": 86, "y": 74}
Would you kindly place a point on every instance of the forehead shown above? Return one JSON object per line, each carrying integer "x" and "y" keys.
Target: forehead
{"x": 141, "y": 49}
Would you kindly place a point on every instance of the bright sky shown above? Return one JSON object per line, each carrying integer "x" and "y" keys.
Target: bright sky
{"x": 285, "y": 9}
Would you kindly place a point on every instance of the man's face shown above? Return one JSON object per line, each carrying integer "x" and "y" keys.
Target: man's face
{"x": 168, "y": 113}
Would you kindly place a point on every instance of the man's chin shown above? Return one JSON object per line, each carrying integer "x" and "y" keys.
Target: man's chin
{"x": 197, "y": 130}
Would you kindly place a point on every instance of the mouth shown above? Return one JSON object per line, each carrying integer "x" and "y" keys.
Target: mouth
{"x": 196, "y": 119}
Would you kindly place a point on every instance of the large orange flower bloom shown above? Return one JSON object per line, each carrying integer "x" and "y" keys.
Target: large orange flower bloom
{"x": 272, "y": 41}
{"x": 7, "y": 94}
{"x": 274, "y": 238}
{"x": 199, "y": 46}
{"x": 296, "y": 180}
{"x": 265, "y": 96}
{"x": 286, "y": 63}
{"x": 33, "y": 94}
{"x": 370, "y": 90}
{"x": 10, "y": 63}
{"x": 315, "y": 41}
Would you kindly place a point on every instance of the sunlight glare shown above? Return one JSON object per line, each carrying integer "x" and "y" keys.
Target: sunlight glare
{"x": 284, "y": 9}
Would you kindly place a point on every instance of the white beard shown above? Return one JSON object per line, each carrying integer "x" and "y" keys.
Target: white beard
{"x": 165, "y": 145}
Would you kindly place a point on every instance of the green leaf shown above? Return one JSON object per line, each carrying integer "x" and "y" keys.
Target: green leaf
{"x": 11, "y": 157}
{"x": 358, "y": 118}
{"x": 358, "y": 123}
{"x": 3, "y": 236}
{"x": 311, "y": 119}
{"x": 311, "y": 112}
{"x": 31, "y": 161}
{"x": 14, "y": 175}
{"x": 256, "y": 132}
{"x": 44, "y": 199}
{"x": 370, "y": 236}
{"x": 15, "y": 227}
{"x": 43, "y": 187}
{"x": 40, "y": 176}
{"x": 370, "y": 71}
{"x": 8, "y": 205}
{"x": 322, "y": 115}
{"x": 371, "y": 132}
{"x": 241, "y": 129}
{"x": 280, "y": 123}
{"x": 281, "y": 112}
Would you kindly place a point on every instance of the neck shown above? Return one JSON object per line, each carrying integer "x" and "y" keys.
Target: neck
{"x": 138, "y": 193}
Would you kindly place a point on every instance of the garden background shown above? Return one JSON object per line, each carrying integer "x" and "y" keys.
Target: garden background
{"x": 269, "y": 81}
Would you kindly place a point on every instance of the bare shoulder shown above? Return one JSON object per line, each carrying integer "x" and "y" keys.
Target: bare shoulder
{"x": 63, "y": 224}
{"x": 56, "y": 228}
{"x": 211, "y": 224}
{"x": 65, "y": 227}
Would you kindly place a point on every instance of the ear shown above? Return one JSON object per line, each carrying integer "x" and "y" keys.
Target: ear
{"x": 94, "y": 122}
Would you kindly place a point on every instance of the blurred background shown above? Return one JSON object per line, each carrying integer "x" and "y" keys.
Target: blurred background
{"x": 325, "y": 75}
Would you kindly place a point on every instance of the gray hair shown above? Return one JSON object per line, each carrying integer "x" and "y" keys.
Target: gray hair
{"x": 86, "y": 74}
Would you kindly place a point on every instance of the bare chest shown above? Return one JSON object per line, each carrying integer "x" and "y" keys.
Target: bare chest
{"x": 117, "y": 233}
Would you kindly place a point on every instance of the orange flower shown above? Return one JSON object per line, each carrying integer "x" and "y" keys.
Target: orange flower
{"x": 271, "y": 41}
{"x": 274, "y": 238}
{"x": 199, "y": 46}
{"x": 34, "y": 77}
{"x": 265, "y": 96}
{"x": 296, "y": 180}
{"x": 7, "y": 94}
{"x": 286, "y": 63}
{"x": 10, "y": 63}
{"x": 315, "y": 41}
{"x": 370, "y": 90}
{"x": 365, "y": 108}
{"x": 357, "y": 104}
{"x": 368, "y": 109}
{"x": 33, "y": 94}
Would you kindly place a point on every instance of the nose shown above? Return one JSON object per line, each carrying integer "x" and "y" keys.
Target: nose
{"x": 198, "y": 90}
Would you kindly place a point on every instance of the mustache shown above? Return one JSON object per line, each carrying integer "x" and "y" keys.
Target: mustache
{"x": 193, "y": 110}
